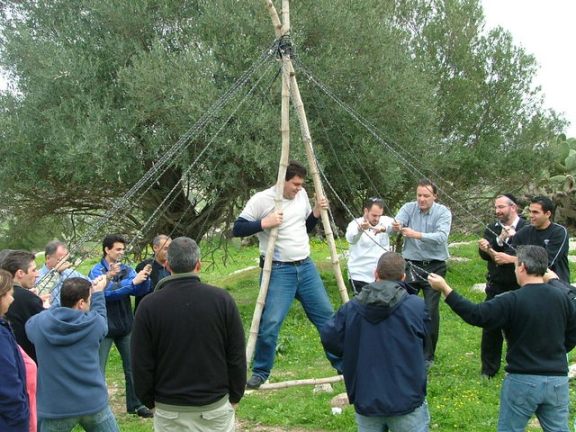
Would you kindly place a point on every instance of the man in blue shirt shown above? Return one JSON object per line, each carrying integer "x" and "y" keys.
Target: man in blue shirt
{"x": 123, "y": 282}
{"x": 425, "y": 226}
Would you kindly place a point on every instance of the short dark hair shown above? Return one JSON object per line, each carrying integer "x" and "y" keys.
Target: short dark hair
{"x": 534, "y": 258}
{"x": 374, "y": 201}
{"x": 545, "y": 202}
{"x": 17, "y": 260}
{"x": 183, "y": 255}
{"x": 3, "y": 254}
{"x": 295, "y": 169}
{"x": 73, "y": 290}
{"x": 52, "y": 247}
{"x": 391, "y": 266}
{"x": 428, "y": 183}
{"x": 5, "y": 282}
{"x": 109, "y": 241}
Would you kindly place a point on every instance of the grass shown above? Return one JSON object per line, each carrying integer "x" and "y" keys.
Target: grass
{"x": 458, "y": 398}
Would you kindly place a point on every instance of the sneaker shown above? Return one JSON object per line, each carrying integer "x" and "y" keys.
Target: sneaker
{"x": 255, "y": 382}
{"x": 143, "y": 412}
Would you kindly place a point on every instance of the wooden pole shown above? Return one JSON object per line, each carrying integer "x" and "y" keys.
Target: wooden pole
{"x": 294, "y": 383}
{"x": 267, "y": 269}
{"x": 307, "y": 138}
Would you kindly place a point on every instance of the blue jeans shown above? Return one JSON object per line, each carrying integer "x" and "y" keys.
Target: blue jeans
{"x": 287, "y": 282}
{"x": 416, "y": 421}
{"x": 123, "y": 346}
{"x": 524, "y": 395}
{"x": 102, "y": 421}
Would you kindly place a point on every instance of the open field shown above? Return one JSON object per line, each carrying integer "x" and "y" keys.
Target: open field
{"x": 458, "y": 398}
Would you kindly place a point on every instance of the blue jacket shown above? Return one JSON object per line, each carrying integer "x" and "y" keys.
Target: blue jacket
{"x": 14, "y": 414}
{"x": 70, "y": 382}
{"x": 118, "y": 292}
{"x": 380, "y": 335}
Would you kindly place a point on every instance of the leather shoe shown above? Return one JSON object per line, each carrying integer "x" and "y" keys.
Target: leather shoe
{"x": 143, "y": 412}
{"x": 255, "y": 382}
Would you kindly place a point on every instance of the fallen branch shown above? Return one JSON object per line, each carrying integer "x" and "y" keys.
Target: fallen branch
{"x": 294, "y": 383}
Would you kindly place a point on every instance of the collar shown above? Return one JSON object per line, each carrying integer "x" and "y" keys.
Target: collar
{"x": 427, "y": 212}
{"x": 177, "y": 276}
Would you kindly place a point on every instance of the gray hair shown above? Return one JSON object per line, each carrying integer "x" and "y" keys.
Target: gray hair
{"x": 160, "y": 239}
{"x": 183, "y": 255}
{"x": 52, "y": 247}
{"x": 534, "y": 258}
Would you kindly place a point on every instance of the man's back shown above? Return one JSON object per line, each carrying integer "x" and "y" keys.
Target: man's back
{"x": 188, "y": 344}
{"x": 70, "y": 382}
{"x": 384, "y": 330}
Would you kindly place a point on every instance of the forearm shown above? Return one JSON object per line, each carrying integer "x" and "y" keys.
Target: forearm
{"x": 311, "y": 222}
{"x": 244, "y": 228}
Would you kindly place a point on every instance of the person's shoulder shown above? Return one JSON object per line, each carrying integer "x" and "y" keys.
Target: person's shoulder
{"x": 264, "y": 194}
{"x": 557, "y": 227}
{"x": 441, "y": 208}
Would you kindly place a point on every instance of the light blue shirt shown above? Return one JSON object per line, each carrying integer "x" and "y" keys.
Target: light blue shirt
{"x": 435, "y": 228}
{"x": 54, "y": 281}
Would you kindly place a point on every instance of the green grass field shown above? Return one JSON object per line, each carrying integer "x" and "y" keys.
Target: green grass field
{"x": 458, "y": 398}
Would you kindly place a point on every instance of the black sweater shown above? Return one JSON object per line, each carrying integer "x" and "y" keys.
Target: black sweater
{"x": 188, "y": 345}
{"x": 26, "y": 304}
{"x": 539, "y": 321}
{"x": 554, "y": 239}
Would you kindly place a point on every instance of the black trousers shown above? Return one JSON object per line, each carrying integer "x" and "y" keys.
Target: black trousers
{"x": 357, "y": 286}
{"x": 492, "y": 340}
{"x": 416, "y": 276}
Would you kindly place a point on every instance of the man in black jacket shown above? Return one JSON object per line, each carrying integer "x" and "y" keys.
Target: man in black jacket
{"x": 160, "y": 245}
{"x": 380, "y": 334}
{"x": 188, "y": 348}
{"x": 539, "y": 321}
{"x": 500, "y": 278}
{"x": 22, "y": 267}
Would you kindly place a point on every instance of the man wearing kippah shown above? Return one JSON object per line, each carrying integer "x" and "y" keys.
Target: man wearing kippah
{"x": 500, "y": 278}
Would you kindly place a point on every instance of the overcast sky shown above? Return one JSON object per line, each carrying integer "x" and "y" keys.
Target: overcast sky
{"x": 546, "y": 30}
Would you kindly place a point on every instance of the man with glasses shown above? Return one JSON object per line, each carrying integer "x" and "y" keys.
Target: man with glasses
{"x": 500, "y": 278}
{"x": 368, "y": 240}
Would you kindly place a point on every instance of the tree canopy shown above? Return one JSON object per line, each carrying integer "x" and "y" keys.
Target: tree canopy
{"x": 101, "y": 90}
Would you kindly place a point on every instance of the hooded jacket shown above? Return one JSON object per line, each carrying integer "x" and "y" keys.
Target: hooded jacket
{"x": 380, "y": 335}
{"x": 70, "y": 382}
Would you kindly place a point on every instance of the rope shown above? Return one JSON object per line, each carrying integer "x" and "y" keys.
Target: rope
{"x": 373, "y": 131}
{"x": 161, "y": 166}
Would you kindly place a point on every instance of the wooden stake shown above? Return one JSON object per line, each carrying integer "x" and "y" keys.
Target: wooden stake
{"x": 267, "y": 269}
{"x": 294, "y": 383}
{"x": 306, "y": 137}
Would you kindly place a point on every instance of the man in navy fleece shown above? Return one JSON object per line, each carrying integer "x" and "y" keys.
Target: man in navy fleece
{"x": 71, "y": 387}
{"x": 380, "y": 335}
